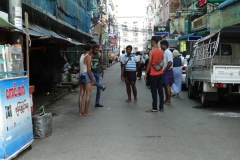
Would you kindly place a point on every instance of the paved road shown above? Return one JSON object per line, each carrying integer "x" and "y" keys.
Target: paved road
{"x": 124, "y": 131}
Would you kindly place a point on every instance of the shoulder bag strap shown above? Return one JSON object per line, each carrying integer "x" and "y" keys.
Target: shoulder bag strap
{"x": 128, "y": 60}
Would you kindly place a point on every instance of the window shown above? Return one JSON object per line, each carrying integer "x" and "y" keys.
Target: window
{"x": 226, "y": 50}
{"x": 135, "y": 39}
{"x": 135, "y": 34}
{"x": 124, "y": 27}
{"x": 125, "y": 34}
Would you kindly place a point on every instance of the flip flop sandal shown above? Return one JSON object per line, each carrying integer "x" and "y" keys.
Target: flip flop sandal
{"x": 152, "y": 110}
{"x": 88, "y": 114}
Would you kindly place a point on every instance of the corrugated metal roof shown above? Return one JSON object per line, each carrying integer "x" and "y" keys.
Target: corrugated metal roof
{"x": 38, "y": 31}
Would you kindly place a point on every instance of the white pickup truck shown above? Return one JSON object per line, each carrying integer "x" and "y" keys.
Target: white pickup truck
{"x": 214, "y": 66}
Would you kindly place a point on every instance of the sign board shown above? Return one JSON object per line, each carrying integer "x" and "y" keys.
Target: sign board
{"x": 15, "y": 116}
{"x": 177, "y": 23}
{"x": 201, "y": 2}
{"x": 199, "y": 23}
{"x": 161, "y": 30}
{"x": 194, "y": 38}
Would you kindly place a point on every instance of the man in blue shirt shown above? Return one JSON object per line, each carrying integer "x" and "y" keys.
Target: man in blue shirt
{"x": 131, "y": 64}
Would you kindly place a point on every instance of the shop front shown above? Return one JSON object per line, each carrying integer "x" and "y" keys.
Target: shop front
{"x": 184, "y": 43}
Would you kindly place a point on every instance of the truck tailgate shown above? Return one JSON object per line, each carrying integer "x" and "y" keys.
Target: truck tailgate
{"x": 226, "y": 74}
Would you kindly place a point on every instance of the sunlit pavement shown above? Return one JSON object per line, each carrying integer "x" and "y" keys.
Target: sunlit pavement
{"x": 124, "y": 131}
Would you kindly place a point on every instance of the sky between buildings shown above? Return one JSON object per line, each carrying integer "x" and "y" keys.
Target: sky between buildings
{"x": 130, "y": 7}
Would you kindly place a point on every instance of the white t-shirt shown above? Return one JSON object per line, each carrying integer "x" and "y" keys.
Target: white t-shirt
{"x": 146, "y": 56}
{"x": 168, "y": 57}
{"x": 120, "y": 59}
{"x": 66, "y": 67}
{"x": 141, "y": 59}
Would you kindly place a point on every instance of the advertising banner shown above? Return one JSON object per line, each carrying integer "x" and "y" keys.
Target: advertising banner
{"x": 199, "y": 23}
{"x": 112, "y": 38}
{"x": 174, "y": 5}
{"x": 105, "y": 36}
{"x": 177, "y": 24}
{"x": 15, "y": 115}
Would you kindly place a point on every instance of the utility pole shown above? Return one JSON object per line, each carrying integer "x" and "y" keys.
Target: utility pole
{"x": 15, "y": 17}
{"x": 119, "y": 43}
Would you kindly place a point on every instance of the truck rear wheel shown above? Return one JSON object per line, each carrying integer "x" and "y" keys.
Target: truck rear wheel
{"x": 204, "y": 102}
{"x": 191, "y": 91}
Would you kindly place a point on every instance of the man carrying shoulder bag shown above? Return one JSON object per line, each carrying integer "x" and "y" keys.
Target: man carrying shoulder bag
{"x": 155, "y": 65}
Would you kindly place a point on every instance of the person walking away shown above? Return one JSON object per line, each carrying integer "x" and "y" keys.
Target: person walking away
{"x": 139, "y": 71}
{"x": 98, "y": 72}
{"x": 148, "y": 73}
{"x": 168, "y": 78}
{"x": 177, "y": 74}
{"x": 85, "y": 80}
{"x": 121, "y": 59}
{"x": 130, "y": 65}
{"x": 156, "y": 85}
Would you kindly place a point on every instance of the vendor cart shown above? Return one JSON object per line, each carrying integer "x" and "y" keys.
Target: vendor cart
{"x": 16, "y": 132}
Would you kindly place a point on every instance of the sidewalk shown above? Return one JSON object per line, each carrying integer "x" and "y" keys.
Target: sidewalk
{"x": 46, "y": 99}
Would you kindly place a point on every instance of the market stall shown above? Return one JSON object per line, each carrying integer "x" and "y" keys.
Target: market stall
{"x": 16, "y": 132}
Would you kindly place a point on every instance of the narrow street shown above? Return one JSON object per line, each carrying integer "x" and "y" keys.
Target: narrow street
{"x": 124, "y": 131}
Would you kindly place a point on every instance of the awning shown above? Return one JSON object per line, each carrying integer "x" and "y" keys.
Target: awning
{"x": 43, "y": 33}
{"x": 186, "y": 36}
{"x": 226, "y": 3}
{"x": 201, "y": 33}
{"x": 4, "y": 23}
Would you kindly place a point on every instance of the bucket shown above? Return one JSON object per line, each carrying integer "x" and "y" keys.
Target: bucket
{"x": 65, "y": 77}
{"x": 74, "y": 78}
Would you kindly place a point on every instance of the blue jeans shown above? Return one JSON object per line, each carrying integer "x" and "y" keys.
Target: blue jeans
{"x": 98, "y": 83}
{"x": 156, "y": 86}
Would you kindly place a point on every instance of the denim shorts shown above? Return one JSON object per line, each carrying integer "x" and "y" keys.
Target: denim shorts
{"x": 86, "y": 77}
